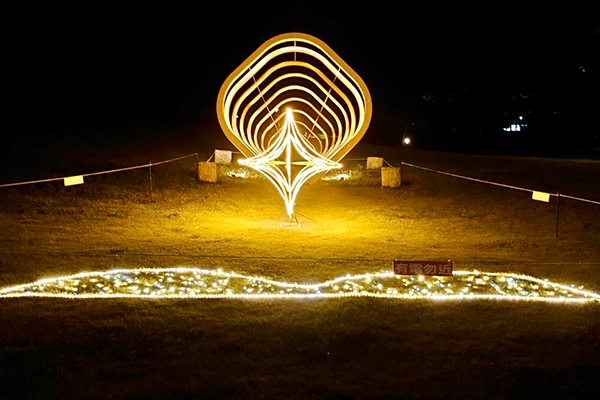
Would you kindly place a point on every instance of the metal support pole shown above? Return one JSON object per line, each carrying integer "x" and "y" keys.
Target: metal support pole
{"x": 557, "y": 211}
{"x": 150, "y": 170}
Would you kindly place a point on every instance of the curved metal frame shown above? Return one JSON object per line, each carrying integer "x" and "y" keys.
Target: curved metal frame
{"x": 322, "y": 96}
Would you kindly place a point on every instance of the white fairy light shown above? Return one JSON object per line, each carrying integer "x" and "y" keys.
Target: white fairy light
{"x": 220, "y": 284}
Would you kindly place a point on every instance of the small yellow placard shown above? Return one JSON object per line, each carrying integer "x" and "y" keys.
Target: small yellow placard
{"x": 541, "y": 196}
{"x": 73, "y": 180}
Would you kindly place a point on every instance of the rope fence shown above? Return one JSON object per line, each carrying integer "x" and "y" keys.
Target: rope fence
{"x": 149, "y": 165}
{"x": 536, "y": 195}
{"x": 472, "y": 179}
{"x": 546, "y": 196}
{"x": 578, "y": 198}
{"x": 496, "y": 183}
{"x": 480, "y": 180}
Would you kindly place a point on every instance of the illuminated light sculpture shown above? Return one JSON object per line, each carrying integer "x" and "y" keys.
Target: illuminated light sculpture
{"x": 288, "y": 141}
{"x": 294, "y": 109}
{"x": 184, "y": 282}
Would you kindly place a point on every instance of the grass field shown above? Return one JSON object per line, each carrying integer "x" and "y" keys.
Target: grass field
{"x": 337, "y": 348}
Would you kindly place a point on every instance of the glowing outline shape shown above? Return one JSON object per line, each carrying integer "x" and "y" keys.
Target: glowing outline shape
{"x": 268, "y": 162}
{"x": 295, "y": 290}
{"x": 338, "y": 115}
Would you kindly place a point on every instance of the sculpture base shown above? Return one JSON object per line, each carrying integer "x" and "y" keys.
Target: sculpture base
{"x": 290, "y": 225}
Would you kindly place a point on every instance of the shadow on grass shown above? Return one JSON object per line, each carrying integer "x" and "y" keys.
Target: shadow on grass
{"x": 576, "y": 382}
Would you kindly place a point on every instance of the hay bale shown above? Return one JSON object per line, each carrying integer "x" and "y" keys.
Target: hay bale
{"x": 374, "y": 162}
{"x": 207, "y": 172}
{"x": 391, "y": 177}
{"x": 223, "y": 157}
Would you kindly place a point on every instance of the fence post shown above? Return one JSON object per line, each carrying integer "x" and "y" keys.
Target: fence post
{"x": 150, "y": 170}
{"x": 557, "y": 211}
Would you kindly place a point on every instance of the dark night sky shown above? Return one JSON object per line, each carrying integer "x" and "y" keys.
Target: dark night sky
{"x": 94, "y": 67}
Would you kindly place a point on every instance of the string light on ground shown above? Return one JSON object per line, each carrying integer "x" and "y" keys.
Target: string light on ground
{"x": 184, "y": 282}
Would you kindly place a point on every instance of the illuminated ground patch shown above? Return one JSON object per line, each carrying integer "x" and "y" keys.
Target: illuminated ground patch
{"x": 199, "y": 283}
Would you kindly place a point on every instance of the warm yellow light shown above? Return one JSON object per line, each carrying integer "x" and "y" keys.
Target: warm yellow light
{"x": 406, "y": 141}
{"x": 183, "y": 282}
{"x": 328, "y": 110}
{"x": 279, "y": 172}
{"x": 340, "y": 176}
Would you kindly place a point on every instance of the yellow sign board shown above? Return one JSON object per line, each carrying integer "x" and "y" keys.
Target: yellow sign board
{"x": 541, "y": 196}
{"x": 73, "y": 180}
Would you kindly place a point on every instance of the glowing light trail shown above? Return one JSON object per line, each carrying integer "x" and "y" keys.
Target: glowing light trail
{"x": 328, "y": 110}
{"x": 200, "y": 283}
{"x": 286, "y": 183}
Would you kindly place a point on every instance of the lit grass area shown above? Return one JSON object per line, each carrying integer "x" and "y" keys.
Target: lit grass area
{"x": 354, "y": 224}
{"x": 318, "y": 349}
{"x": 303, "y": 348}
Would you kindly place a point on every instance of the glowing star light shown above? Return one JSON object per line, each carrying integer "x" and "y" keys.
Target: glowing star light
{"x": 327, "y": 111}
{"x": 290, "y": 141}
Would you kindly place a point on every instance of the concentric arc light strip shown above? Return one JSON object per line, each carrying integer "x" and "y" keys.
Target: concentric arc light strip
{"x": 297, "y": 72}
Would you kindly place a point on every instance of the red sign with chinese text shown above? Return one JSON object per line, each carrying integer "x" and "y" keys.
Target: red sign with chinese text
{"x": 443, "y": 268}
